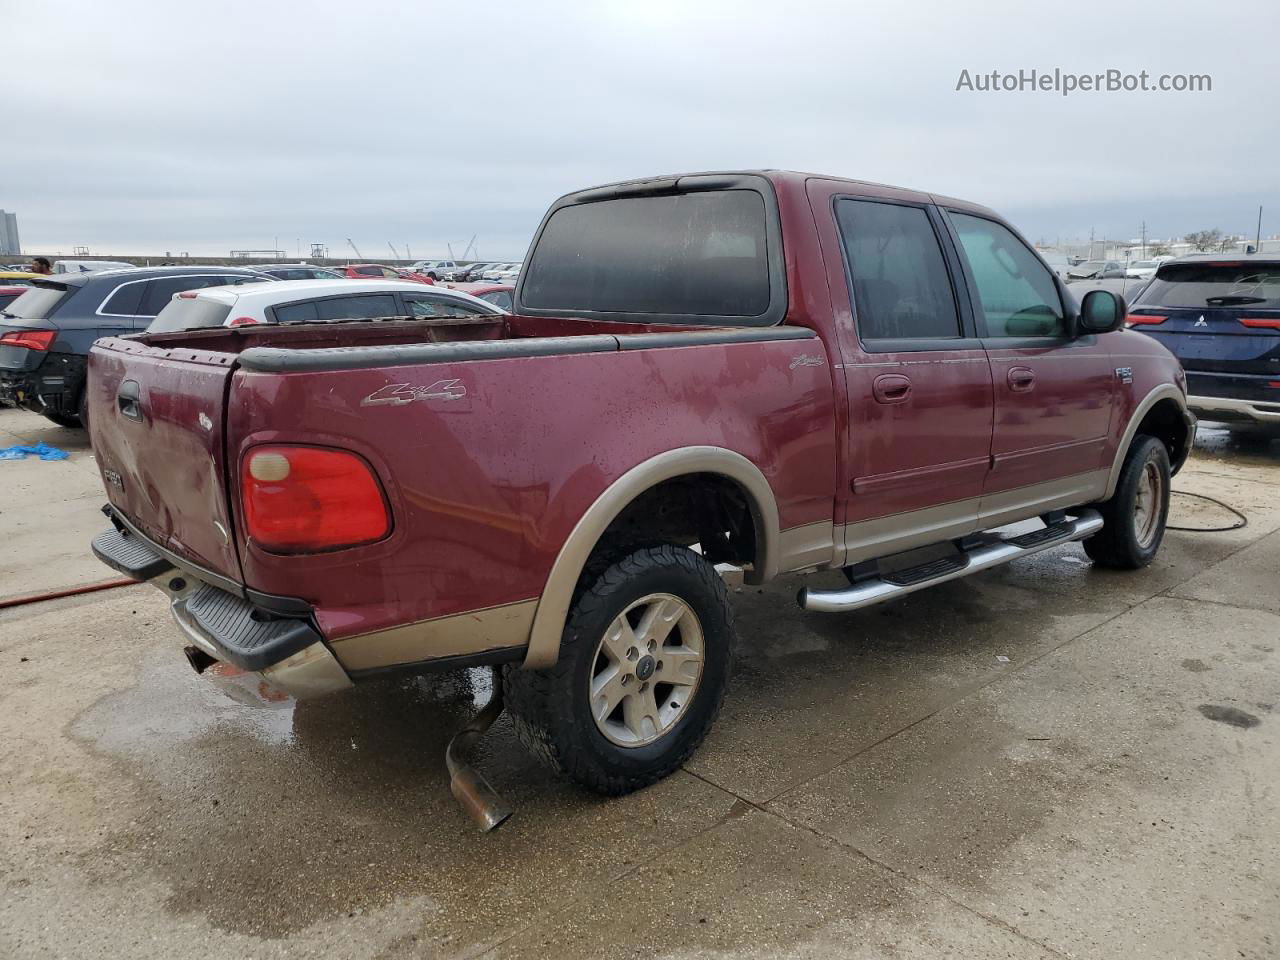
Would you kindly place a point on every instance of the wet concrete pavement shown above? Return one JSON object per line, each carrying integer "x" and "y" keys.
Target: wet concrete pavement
{"x": 1046, "y": 760}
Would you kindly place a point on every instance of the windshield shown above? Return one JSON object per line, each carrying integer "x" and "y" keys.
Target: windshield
{"x": 1090, "y": 265}
{"x": 1215, "y": 285}
{"x": 38, "y": 302}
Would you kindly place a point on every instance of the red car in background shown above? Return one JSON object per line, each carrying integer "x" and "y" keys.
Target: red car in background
{"x": 376, "y": 271}
{"x": 499, "y": 294}
{"x": 12, "y": 293}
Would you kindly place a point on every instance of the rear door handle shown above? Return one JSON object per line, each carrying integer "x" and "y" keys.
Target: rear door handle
{"x": 129, "y": 399}
{"x": 891, "y": 388}
{"x": 1021, "y": 379}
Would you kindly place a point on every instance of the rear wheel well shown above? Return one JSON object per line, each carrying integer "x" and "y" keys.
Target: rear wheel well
{"x": 703, "y": 508}
{"x": 1165, "y": 422}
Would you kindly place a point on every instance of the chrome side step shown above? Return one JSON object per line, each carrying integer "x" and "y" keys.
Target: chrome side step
{"x": 898, "y": 584}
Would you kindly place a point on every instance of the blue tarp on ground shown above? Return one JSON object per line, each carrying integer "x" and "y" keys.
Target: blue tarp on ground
{"x": 41, "y": 450}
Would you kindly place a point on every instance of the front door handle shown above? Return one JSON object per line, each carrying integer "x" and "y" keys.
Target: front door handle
{"x": 129, "y": 399}
{"x": 1021, "y": 379}
{"x": 891, "y": 388}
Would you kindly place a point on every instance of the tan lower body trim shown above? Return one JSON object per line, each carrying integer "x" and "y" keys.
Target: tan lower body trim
{"x": 882, "y": 536}
{"x": 801, "y": 548}
{"x": 462, "y": 633}
{"x": 1021, "y": 503}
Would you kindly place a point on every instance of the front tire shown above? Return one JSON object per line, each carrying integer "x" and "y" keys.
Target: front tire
{"x": 644, "y": 662}
{"x": 1135, "y": 515}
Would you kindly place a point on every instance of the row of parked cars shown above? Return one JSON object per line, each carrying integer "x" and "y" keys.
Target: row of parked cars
{"x": 497, "y": 271}
{"x": 48, "y": 323}
{"x": 1219, "y": 314}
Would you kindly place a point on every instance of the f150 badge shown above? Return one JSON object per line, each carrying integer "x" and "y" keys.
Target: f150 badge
{"x": 402, "y": 393}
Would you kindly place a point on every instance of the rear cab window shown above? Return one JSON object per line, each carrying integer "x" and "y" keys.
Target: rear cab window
{"x": 698, "y": 256}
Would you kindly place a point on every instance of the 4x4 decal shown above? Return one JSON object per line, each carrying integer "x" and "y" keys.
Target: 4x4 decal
{"x": 402, "y": 393}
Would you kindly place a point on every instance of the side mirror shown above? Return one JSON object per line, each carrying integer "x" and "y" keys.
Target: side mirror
{"x": 1101, "y": 311}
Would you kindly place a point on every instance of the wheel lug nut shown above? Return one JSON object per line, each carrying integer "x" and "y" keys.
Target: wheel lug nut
{"x": 632, "y": 653}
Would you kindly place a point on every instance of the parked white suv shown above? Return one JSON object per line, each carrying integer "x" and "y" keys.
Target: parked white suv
{"x": 315, "y": 301}
{"x": 436, "y": 269}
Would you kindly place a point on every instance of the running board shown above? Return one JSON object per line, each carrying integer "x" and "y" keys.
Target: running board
{"x": 901, "y": 582}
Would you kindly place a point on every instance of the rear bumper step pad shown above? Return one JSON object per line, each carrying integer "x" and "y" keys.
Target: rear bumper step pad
{"x": 224, "y": 625}
{"x": 874, "y": 590}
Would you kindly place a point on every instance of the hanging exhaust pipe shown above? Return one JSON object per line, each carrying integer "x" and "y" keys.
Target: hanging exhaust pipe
{"x": 468, "y": 786}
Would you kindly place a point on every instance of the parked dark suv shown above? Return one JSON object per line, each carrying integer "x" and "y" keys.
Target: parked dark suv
{"x": 1220, "y": 315}
{"x": 46, "y": 333}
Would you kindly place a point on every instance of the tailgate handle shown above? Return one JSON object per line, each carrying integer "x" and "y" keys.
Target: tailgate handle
{"x": 129, "y": 398}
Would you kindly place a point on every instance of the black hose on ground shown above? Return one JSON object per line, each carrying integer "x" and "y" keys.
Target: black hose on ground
{"x": 1244, "y": 521}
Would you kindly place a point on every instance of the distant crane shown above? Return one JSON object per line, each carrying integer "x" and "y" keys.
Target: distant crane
{"x": 395, "y": 255}
{"x": 471, "y": 244}
{"x": 351, "y": 244}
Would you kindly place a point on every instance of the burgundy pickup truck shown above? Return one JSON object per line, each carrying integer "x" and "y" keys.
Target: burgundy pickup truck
{"x": 777, "y": 372}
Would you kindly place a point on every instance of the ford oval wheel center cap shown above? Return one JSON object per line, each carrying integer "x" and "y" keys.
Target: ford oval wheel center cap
{"x": 645, "y": 668}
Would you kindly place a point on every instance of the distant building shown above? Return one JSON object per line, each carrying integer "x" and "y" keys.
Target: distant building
{"x": 9, "y": 244}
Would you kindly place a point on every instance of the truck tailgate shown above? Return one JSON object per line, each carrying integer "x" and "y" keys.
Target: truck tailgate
{"x": 156, "y": 423}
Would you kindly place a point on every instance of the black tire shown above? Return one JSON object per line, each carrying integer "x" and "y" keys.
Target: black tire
{"x": 551, "y": 708}
{"x": 1120, "y": 544}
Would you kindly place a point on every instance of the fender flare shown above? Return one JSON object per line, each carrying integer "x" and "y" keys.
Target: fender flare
{"x": 557, "y": 594}
{"x": 1166, "y": 391}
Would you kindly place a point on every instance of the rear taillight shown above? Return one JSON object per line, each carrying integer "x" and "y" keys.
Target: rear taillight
{"x": 1143, "y": 319}
{"x": 31, "y": 339}
{"x": 1272, "y": 323}
{"x": 310, "y": 499}
{"x": 242, "y": 321}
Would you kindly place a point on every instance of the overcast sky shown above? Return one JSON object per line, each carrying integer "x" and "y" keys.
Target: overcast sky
{"x": 149, "y": 127}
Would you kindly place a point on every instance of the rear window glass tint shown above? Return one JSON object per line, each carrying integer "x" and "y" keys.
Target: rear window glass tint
{"x": 1215, "y": 285}
{"x": 694, "y": 254}
{"x": 192, "y": 314}
{"x": 125, "y": 300}
{"x": 901, "y": 287}
{"x": 37, "y": 303}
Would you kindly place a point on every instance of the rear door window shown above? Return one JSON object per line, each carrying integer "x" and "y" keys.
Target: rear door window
{"x": 422, "y": 305}
{"x": 1198, "y": 285}
{"x": 357, "y": 307}
{"x": 901, "y": 286}
{"x": 690, "y": 254}
{"x": 499, "y": 298}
